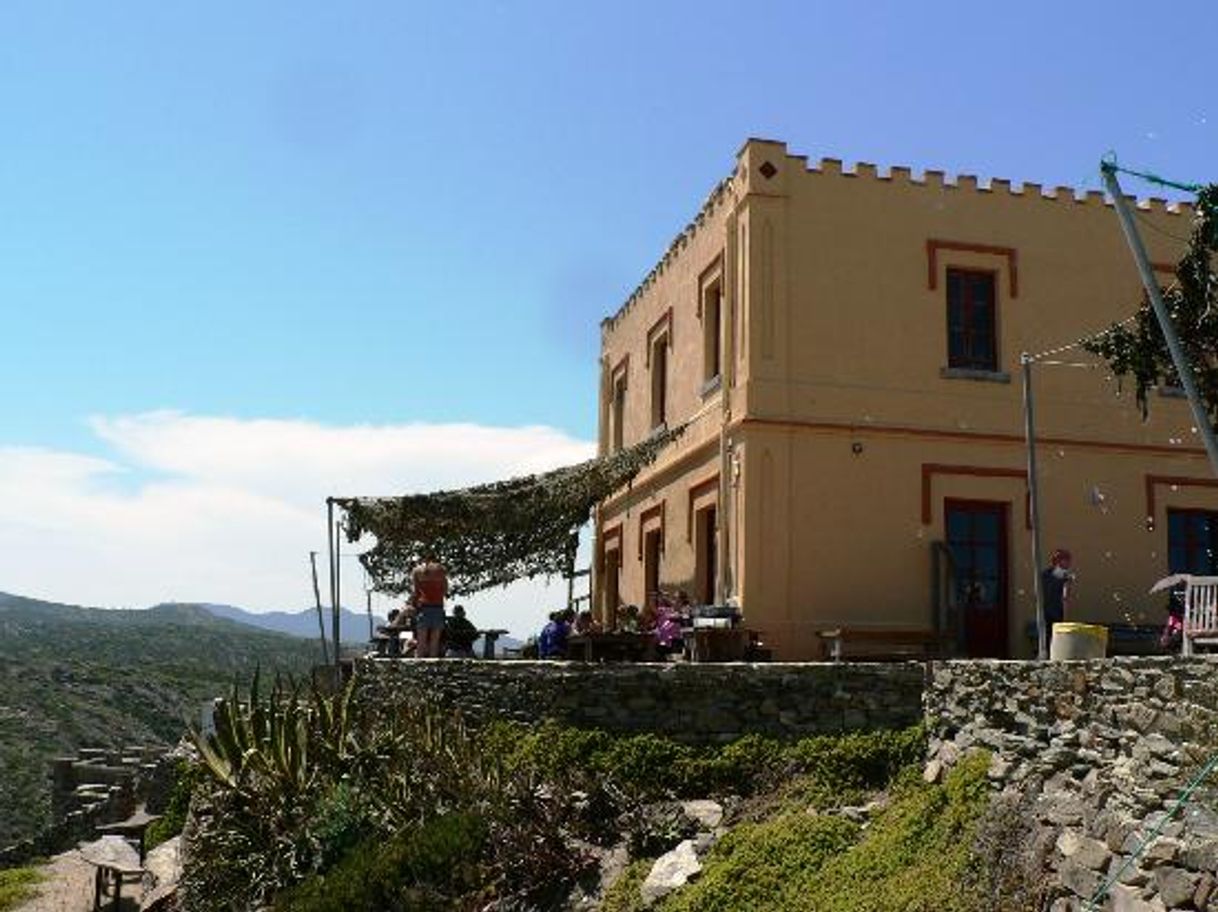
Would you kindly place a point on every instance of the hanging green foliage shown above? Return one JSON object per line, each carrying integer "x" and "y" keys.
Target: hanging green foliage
{"x": 492, "y": 534}
{"x": 1138, "y": 349}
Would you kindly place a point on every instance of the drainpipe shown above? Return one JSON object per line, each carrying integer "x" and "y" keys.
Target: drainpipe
{"x": 727, "y": 370}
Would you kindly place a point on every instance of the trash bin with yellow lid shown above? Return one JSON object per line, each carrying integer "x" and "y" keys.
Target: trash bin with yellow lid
{"x": 1078, "y": 641}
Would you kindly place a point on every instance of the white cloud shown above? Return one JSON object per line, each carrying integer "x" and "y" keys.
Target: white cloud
{"x": 202, "y": 508}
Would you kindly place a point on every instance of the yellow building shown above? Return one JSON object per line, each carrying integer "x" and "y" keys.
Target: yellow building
{"x": 847, "y": 343}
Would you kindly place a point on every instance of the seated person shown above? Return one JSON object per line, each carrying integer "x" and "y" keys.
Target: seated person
{"x": 585, "y": 623}
{"x": 647, "y": 618}
{"x": 669, "y": 635}
{"x": 628, "y": 619}
{"x": 460, "y": 633}
{"x": 552, "y": 644}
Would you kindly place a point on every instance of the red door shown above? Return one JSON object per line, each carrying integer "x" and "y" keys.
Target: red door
{"x": 977, "y": 537}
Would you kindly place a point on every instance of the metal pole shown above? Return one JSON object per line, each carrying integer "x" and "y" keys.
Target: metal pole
{"x": 1179, "y": 360}
{"x": 1029, "y": 433}
{"x": 335, "y": 634}
{"x": 371, "y": 632}
{"x": 321, "y": 624}
{"x": 333, "y": 578}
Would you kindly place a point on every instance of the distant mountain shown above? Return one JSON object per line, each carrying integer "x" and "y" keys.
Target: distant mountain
{"x": 353, "y": 625}
{"x": 72, "y": 676}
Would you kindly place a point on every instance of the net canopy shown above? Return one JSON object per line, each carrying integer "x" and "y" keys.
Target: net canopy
{"x": 492, "y": 534}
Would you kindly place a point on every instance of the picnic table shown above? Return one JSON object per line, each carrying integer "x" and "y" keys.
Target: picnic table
{"x": 488, "y": 641}
{"x": 620, "y": 646}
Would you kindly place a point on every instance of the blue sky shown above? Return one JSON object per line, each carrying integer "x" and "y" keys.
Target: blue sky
{"x": 392, "y": 214}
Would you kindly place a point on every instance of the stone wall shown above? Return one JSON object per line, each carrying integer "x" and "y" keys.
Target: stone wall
{"x": 95, "y": 787}
{"x": 693, "y": 703}
{"x": 1096, "y": 754}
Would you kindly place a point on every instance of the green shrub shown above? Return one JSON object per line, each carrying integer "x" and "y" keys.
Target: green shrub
{"x": 858, "y": 760}
{"x": 623, "y": 894}
{"x": 646, "y": 765}
{"x": 186, "y": 775}
{"x": 744, "y": 766}
{"x": 917, "y": 856}
{"x": 427, "y": 867}
{"x": 559, "y": 752}
{"x": 17, "y": 885}
{"x": 765, "y": 866}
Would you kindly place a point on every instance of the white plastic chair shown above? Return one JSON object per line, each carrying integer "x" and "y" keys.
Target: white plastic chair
{"x": 1200, "y": 609}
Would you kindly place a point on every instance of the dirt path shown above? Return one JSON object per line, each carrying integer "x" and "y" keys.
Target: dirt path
{"x": 68, "y": 886}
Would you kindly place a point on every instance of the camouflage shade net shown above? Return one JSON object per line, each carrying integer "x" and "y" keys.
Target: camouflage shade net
{"x": 492, "y": 534}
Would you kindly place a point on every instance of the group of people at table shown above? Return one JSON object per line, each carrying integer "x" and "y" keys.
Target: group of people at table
{"x": 661, "y": 626}
{"x": 422, "y": 628}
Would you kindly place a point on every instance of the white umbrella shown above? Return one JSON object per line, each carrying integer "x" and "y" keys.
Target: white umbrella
{"x": 1170, "y": 582}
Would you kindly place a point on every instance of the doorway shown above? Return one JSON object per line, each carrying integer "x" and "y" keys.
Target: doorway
{"x": 705, "y": 568}
{"x": 977, "y": 538}
{"x": 651, "y": 566}
{"x": 613, "y": 566}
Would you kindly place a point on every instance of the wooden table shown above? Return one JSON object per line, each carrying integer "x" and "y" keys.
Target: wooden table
{"x": 719, "y": 644}
{"x": 488, "y": 641}
{"x": 617, "y": 646}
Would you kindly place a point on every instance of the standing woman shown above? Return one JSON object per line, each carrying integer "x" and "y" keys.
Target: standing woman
{"x": 430, "y": 589}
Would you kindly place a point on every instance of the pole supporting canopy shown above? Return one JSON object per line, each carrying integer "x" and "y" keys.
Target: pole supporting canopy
{"x": 492, "y": 534}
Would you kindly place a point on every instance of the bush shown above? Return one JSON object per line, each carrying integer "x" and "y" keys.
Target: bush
{"x": 917, "y": 856}
{"x": 186, "y": 775}
{"x": 428, "y": 867}
{"x": 17, "y": 885}
{"x": 765, "y": 866}
{"x": 746, "y": 765}
{"x": 858, "y": 761}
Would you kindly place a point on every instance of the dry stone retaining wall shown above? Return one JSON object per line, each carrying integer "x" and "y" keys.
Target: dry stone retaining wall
{"x": 1096, "y": 752}
{"x": 694, "y": 703}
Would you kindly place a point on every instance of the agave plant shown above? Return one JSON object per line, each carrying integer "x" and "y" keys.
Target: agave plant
{"x": 261, "y": 748}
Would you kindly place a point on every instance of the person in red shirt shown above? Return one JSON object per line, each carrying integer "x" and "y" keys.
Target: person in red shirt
{"x": 430, "y": 582}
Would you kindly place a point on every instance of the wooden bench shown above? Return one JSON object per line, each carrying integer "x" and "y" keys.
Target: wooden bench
{"x": 881, "y": 643}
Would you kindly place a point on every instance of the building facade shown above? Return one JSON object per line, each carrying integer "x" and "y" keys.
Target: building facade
{"x": 845, "y": 348}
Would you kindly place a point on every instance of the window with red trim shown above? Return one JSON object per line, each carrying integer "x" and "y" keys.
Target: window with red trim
{"x": 972, "y": 335}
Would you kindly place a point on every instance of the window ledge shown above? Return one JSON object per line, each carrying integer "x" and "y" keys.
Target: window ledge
{"x": 970, "y": 373}
{"x": 711, "y": 386}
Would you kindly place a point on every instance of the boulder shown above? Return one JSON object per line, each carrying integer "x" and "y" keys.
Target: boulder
{"x": 707, "y": 814}
{"x": 1088, "y": 852}
{"x": 1175, "y": 885}
{"x": 672, "y": 871}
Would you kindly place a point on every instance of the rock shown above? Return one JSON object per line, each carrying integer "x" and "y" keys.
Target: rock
{"x": 1090, "y": 853}
{"x": 1163, "y": 850}
{"x": 1205, "y": 889}
{"x": 1129, "y": 899}
{"x": 949, "y": 753}
{"x": 1175, "y": 885}
{"x": 1202, "y": 856}
{"x": 671, "y": 872}
{"x": 707, "y": 814}
{"x": 1062, "y": 809}
{"x": 1080, "y": 880}
{"x": 1000, "y": 768}
{"x": 1128, "y": 874}
{"x": 933, "y": 770}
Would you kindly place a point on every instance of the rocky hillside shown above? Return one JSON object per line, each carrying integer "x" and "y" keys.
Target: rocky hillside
{"x": 75, "y": 677}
